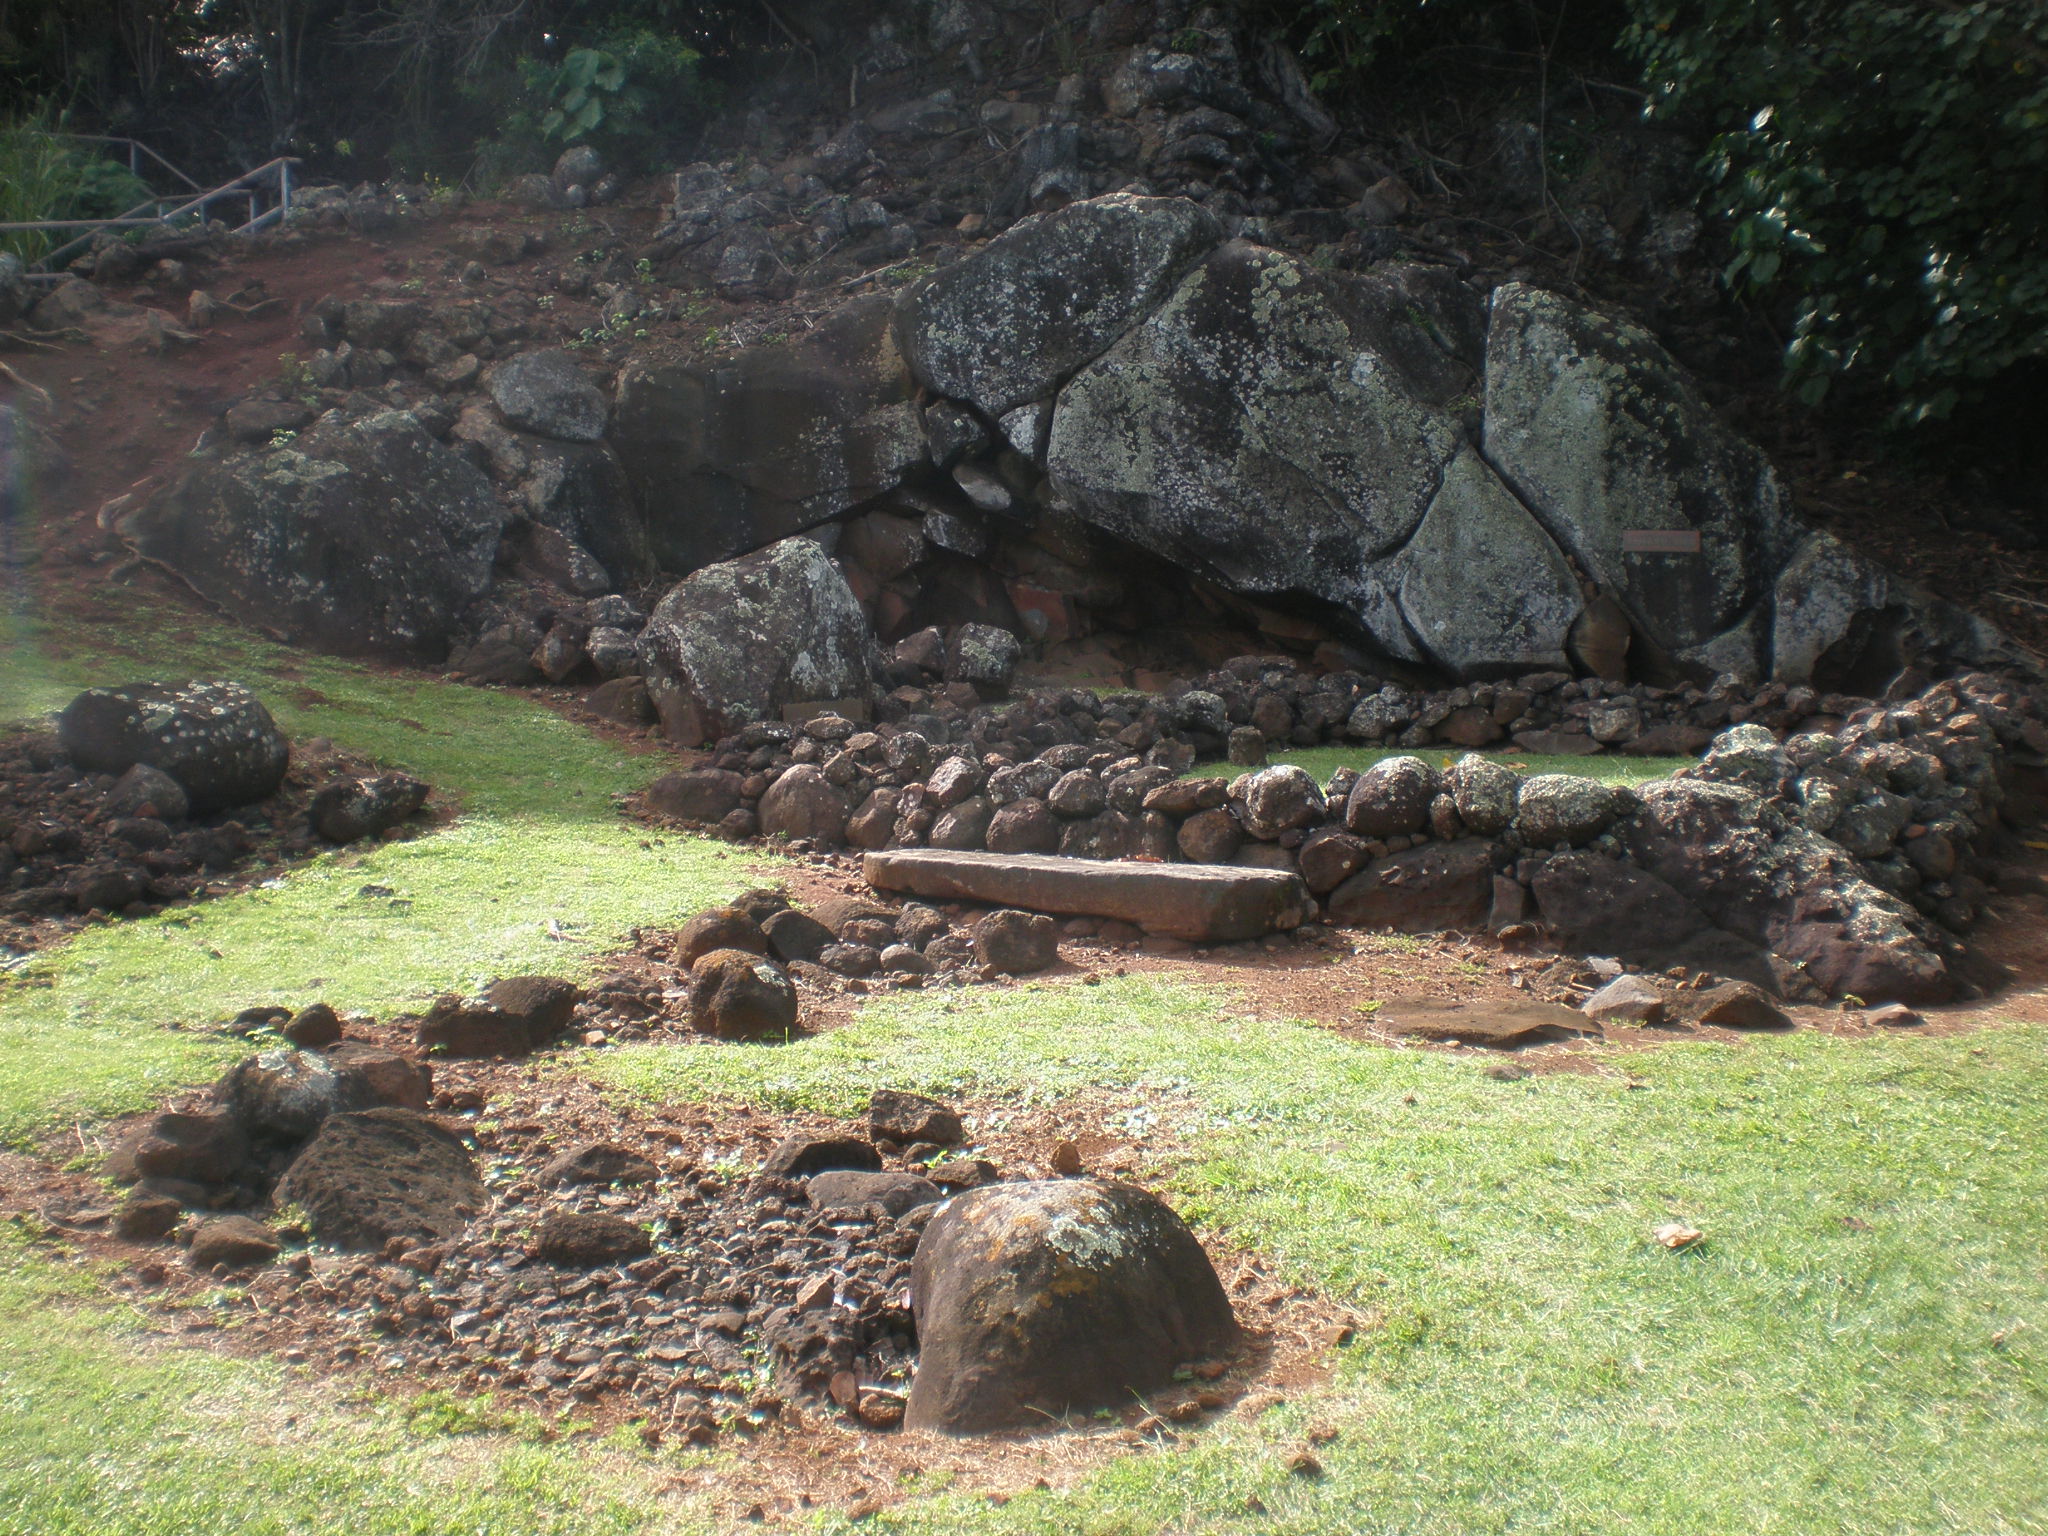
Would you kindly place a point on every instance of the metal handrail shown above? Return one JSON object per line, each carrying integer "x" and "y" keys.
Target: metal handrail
{"x": 136, "y": 149}
{"x": 248, "y": 183}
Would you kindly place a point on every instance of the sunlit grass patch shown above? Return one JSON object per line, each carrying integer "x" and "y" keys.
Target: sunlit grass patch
{"x": 541, "y": 873}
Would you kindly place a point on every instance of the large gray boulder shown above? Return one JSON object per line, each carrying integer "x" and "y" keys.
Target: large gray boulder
{"x": 364, "y": 536}
{"x": 1013, "y": 321}
{"x": 738, "y": 640}
{"x": 729, "y": 455}
{"x": 1482, "y": 587}
{"x": 1272, "y": 426}
{"x": 1841, "y": 621}
{"x": 1600, "y": 433}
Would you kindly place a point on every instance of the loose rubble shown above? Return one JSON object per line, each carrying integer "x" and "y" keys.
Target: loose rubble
{"x": 154, "y": 795}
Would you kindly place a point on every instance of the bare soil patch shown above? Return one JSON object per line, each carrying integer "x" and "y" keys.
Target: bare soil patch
{"x": 686, "y": 1345}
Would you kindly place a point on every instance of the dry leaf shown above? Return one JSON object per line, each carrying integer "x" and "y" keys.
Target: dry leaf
{"x": 1676, "y": 1234}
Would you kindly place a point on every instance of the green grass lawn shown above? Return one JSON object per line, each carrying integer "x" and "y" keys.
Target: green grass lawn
{"x": 103, "y": 1431}
{"x": 1321, "y": 762}
{"x": 540, "y": 874}
{"x": 1856, "y": 1347}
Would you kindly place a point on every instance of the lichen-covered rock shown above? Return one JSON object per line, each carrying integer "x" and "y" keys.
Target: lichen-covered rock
{"x": 1840, "y": 620}
{"x": 1012, "y": 322}
{"x": 1563, "y": 810}
{"x": 1482, "y": 586}
{"x": 1078, "y": 794}
{"x": 983, "y": 655}
{"x": 1273, "y": 427}
{"x": 737, "y": 641}
{"x": 546, "y": 392}
{"x": 727, "y": 456}
{"x": 1739, "y": 859}
{"x": 1039, "y": 1299}
{"x": 1599, "y": 432}
{"x": 365, "y": 536}
{"x": 282, "y": 1095}
{"x": 1484, "y": 793}
{"x": 215, "y": 739}
{"x": 1276, "y": 800}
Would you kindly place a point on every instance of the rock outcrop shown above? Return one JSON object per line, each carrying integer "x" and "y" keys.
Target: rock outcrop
{"x": 1480, "y": 487}
{"x": 725, "y": 457}
{"x": 360, "y": 536}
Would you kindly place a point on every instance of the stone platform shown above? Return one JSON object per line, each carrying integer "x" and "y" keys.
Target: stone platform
{"x": 1201, "y": 903}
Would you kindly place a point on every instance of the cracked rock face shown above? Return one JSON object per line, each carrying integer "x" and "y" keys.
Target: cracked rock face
{"x": 1271, "y": 427}
{"x": 1010, "y": 326}
{"x": 1456, "y": 478}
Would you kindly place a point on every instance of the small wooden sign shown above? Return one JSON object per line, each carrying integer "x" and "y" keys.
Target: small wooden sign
{"x": 1660, "y": 541}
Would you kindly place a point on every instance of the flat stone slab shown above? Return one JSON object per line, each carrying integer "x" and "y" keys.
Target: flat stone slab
{"x": 1479, "y": 1023}
{"x": 1201, "y": 903}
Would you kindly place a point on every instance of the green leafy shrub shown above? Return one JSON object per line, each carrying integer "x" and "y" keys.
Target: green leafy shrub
{"x": 45, "y": 176}
{"x": 1883, "y": 167}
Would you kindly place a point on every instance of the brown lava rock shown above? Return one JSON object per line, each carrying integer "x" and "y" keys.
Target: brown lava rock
{"x": 800, "y": 1154}
{"x": 718, "y": 928}
{"x": 908, "y": 1118}
{"x": 1039, "y": 1299}
{"x": 600, "y": 1162}
{"x": 314, "y": 1028}
{"x": 741, "y": 995}
{"x": 1016, "y": 942}
{"x": 205, "y": 1147}
{"x": 232, "y": 1242}
{"x": 376, "y": 1174}
{"x": 586, "y": 1239}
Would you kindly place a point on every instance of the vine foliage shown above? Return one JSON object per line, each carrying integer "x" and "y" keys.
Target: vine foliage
{"x": 1881, "y": 168}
